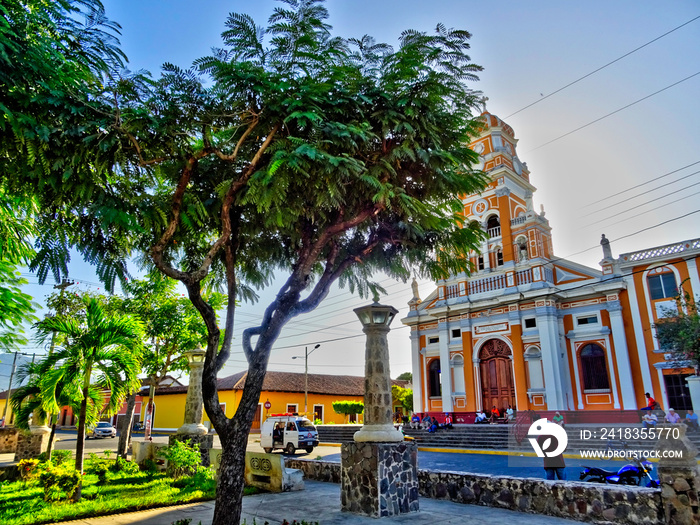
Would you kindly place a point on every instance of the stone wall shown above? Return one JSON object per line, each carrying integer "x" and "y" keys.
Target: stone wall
{"x": 8, "y": 440}
{"x": 566, "y": 499}
{"x": 30, "y": 446}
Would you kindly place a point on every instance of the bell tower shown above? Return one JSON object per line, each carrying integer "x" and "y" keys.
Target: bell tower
{"x": 516, "y": 234}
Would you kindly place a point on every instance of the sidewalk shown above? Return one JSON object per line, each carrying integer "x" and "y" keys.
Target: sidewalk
{"x": 320, "y": 502}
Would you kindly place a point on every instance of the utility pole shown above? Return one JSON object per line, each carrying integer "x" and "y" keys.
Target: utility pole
{"x": 306, "y": 376}
{"x": 9, "y": 388}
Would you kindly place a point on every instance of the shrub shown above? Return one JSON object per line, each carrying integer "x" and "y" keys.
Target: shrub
{"x": 122, "y": 465}
{"x": 59, "y": 482}
{"x": 99, "y": 466}
{"x": 28, "y": 469}
{"x": 59, "y": 457}
{"x": 183, "y": 458}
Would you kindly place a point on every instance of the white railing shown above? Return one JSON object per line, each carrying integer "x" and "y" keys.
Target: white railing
{"x": 518, "y": 220}
{"x": 660, "y": 251}
{"x": 488, "y": 284}
{"x": 494, "y": 232}
{"x": 523, "y": 277}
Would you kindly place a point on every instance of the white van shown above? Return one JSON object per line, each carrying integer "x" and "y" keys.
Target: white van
{"x": 288, "y": 432}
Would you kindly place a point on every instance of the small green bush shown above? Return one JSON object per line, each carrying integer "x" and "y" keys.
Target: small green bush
{"x": 183, "y": 458}
{"x": 122, "y": 465}
{"x": 59, "y": 482}
{"x": 59, "y": 457}
{"x": 28, "y": 469}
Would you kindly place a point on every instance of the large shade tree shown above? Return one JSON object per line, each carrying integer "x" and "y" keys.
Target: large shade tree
{"x": 678, "y": 332}
{"x": 99, "y": 350}
{"x": 289, "y": 151}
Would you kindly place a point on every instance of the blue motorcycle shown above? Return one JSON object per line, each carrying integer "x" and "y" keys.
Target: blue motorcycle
{"x": 630, "y": 474}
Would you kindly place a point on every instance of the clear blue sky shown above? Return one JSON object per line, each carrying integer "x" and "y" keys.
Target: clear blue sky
{"x": 529, "y": 50}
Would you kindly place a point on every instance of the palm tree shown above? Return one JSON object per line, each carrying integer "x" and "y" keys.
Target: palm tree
{"x": 99, "y": 350}
{"x": 27, "y": 401}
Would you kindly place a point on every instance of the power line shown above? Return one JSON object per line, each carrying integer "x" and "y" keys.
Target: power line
{"x": 641, "y": 184}
{"x": 640, "y": 194}
{"x": 612, "y": 113}
{"x": 601, "y": 68}
{"x": 646, "y": 203}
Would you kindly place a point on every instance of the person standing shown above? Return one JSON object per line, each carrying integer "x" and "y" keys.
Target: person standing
{"x": 554, "y": 467}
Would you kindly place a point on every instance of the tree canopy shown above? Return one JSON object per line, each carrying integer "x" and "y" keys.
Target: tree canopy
{"x": 289, "y": 151}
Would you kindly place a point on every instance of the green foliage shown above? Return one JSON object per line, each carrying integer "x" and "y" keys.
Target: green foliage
{"x": 679, "y": 331}
{"x": 348, "y": 408}
{"x": 406, "y": 376}
{"x": 402, "y": 396}
{"x": 27, "y": 469}
{"x": 183, "y": 458}
{"x": 124, "y": 466}
{"x": 59, "y": 457}
{"x": 23, "y": 504}
{"x": 59, "y": 482}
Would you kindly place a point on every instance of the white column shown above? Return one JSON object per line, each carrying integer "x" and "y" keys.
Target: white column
{"x": 445, "y": 375}
{"x": 570, "y": 396}
{"x": 424, "y": 367}
{"x": 622, "y": 357}
{"x": 693, "y": 276}
{"x": 415, "y": 370}
{"x": 639, "y": 334}
{"x": 579, "y": 388}
{"x": 477, "y": 383}
{"x": 549, "y": 345}
{"x": 694, "y": 387}
{"x": 662, "y": 387}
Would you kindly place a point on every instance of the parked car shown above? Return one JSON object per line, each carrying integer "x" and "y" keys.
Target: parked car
{"x": 103, "y": 429}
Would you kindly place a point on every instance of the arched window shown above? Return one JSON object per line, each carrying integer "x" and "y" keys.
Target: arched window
{"x": 594, "y": 368}
{"x": 458, "y": 374}
{"x": 662, "y": 285}
{"x": 434, "y": 383}
{"x": 493, "y": 222}
{"x": 499, "y": 257}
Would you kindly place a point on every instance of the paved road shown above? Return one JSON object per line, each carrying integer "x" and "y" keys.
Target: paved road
{"x": 496, "y": 464}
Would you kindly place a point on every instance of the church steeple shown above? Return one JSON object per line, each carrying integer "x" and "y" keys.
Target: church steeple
{"x": 517, "y": 234}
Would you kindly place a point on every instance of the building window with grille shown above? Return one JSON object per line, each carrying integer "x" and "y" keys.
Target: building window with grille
{"x": 662, "y": 286}
{"x": 434, "y": 383}
{"x": 499, "y": 258}
{"x": 594, "y": 368}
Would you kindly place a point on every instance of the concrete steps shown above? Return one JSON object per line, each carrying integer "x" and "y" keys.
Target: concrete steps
{"x": 499, "y": 437}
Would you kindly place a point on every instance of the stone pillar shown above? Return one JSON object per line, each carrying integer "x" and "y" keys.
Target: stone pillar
{"x": 378, "y": 470}
{"x": 30, "y": 444}
{"x": 192, "y": 428}
{"x": 679, "y": 477}
{"x": 379, "y": 479}
{"x": 549, "y": 346}
{"x": 378, "y": 420}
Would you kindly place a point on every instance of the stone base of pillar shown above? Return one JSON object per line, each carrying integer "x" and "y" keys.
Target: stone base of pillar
{"x": 31, "y": 445}
{"x": 8, "y": 440}
{"x": 379, "y": 479}
{"x": 205, "y": 442}
{"x": 679, "y": 476}
{"x": 141, "y": 451}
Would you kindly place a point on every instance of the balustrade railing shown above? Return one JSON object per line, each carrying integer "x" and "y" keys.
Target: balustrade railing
{"x": 494, "y": 232}
{"x": 660, "y": 251}
{"x": 496, "y": 282}
{"x": 518, "y": 220}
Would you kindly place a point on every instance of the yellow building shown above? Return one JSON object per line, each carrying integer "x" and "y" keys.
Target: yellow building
{"x": 283, "y": 390}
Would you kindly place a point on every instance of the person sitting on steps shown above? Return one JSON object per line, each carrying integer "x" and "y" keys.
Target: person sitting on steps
{"x": 495, "y": 414}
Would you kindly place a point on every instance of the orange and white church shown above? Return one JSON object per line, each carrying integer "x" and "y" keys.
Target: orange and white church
{"x": 534, "y": 331}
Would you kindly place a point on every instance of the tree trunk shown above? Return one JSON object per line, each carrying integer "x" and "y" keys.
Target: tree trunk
{"x": 80, "y": 446}
{"x": 150, "y": 416}
{"x": 229, "y": 489}
{"x": 126, "y": 425}
{"x": 49, "y": 448}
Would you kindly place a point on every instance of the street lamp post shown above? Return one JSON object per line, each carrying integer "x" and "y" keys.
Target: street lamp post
{"x": 306, "y": 375}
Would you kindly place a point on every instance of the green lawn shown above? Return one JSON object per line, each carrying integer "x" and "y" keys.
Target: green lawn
{"x": 22, "y": 503}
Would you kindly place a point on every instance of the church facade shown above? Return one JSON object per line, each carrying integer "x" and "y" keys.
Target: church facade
{"x": 533, "y": 331}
